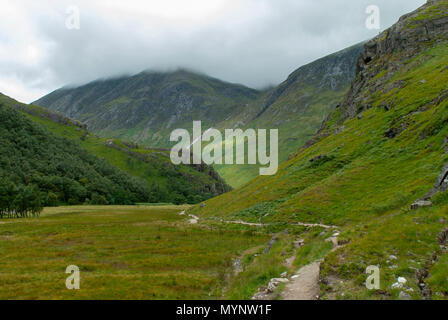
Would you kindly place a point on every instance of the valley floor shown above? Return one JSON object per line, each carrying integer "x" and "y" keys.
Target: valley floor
{"x": 165, "y": 252}
{"x": 139, "y": 252}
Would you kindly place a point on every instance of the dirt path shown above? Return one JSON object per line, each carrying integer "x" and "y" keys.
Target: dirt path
{"x": 308, "y": 225}
{"x": 304, "y": 285}
{"x": 195, "y": 220}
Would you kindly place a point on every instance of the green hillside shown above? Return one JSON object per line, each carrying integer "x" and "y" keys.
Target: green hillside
{"x": 165, "y": 183}
{"x": 296, "y": 107}
{"x": 145, "y": 108}
{"x": 58, "y": 170}
{"x": 382, "y": 149}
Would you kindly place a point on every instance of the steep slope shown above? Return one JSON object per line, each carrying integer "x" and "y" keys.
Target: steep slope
{"x": 164, "y": 181}
{"x": 296, "y": 107}
{"x": 383, "y": 149}
{"x": 145, "y": 108}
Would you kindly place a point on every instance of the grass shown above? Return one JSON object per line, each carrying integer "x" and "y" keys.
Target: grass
{"x": 366, "y": 184}
{"x": 135, "y": 252}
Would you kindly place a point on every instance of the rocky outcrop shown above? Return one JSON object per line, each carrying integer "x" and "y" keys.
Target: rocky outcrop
{"x": 424, "y": 27}
{"x": 440, "y": 185}
{"x": 333, "y": 72}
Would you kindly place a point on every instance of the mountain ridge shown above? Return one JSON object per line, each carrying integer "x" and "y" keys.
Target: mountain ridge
{"x": 297, "y": 106}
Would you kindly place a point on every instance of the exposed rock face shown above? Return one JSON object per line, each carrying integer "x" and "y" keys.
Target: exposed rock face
{"x": 333, "y": 72}
{"x": 440, "y": 185}
{"x": 425, "y": 26}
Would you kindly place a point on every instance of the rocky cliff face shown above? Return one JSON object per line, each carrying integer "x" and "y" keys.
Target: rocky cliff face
{"x": 386, "y": 53}
{"x": 331, "y": 73}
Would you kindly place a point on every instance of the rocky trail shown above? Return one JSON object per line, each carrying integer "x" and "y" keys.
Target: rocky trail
{"x": 308, "y": 225}
{"x": 304, "y": 284}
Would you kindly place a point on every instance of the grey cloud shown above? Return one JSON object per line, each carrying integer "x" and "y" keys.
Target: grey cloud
{"x": 258, "y": 46}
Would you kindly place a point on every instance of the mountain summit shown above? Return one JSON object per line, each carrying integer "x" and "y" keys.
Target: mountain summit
{"x": 145, "y": 108}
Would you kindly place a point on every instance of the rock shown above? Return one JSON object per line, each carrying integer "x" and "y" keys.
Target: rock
{"x": 273, "y": 284}
{"x": 392, "y": 258}
{"x": 400, "y": 283}
{"x": 319, "y": 157}
{"x": 202, "y": 205}
{"x": 333, "y": 240}
{"x": 421, "y": 204}
{"x": 406, "y": 38}
{"x": 423, "y": 81}
{"x": 284, "y": 274}
{"x": 279, "y": 280}
{"x": 397, "y": 285}
{"x": 271, "y": 287}
{"x": 339, "y": 130}
{"x": 404, "y": 296}
{"x": 402, "y": 280}
{"x": 299, "y": 243}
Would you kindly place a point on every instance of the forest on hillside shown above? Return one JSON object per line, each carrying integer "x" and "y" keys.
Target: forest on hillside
{"x": 38, "y": 168}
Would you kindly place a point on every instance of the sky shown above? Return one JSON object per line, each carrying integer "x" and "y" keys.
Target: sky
{"x": 47, "y": 44}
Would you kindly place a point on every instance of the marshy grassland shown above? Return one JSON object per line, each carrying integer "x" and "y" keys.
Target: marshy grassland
{"x": 123, "y": 252}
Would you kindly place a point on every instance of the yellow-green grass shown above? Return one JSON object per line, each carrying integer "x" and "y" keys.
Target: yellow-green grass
{"x": 129, "y": 252}
{"x": 365, "y": 183}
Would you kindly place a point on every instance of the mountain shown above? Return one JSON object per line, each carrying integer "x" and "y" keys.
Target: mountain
{"x": 296, "y": 107}
{"x": 161, "y": 180}
{"x": 147, "y": 107}
{"x": 376, "y": 172}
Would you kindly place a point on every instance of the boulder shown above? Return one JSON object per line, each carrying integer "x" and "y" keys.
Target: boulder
{"x": 421, "y": 204}
{"x": 404, "y": 296}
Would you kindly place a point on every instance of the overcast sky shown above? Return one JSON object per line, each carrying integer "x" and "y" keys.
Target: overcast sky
{"x": 253, "y": 42}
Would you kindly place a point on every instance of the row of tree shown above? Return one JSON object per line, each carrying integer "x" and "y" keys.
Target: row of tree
{"x": 19, "y": 202}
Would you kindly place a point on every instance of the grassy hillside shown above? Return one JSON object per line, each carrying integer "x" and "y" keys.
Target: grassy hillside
{"x": 296, "y": 107}
{"x": 379, "y": 152}
{"x": 165, "y": 182}
{"x": 147, "y": 107}
{"x": 59, "y": 169}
